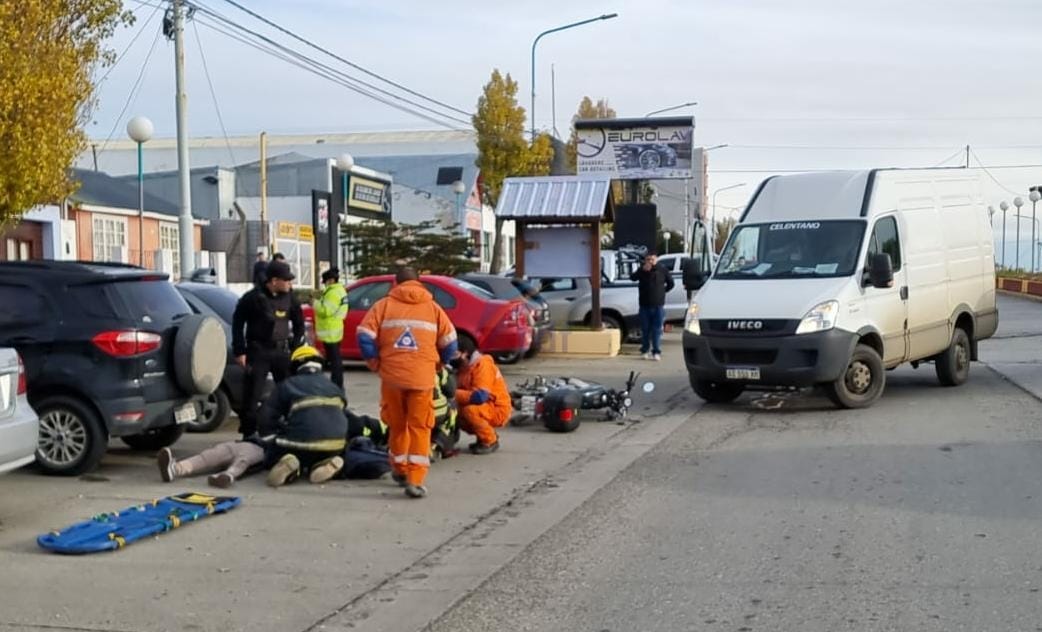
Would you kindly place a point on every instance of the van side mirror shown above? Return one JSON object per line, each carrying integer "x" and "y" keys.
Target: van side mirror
{"x": 693, "y": 275}
{"x": 881, "y": 271}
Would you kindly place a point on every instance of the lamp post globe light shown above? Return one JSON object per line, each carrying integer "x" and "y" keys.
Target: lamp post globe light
{"x": 344, "y": 162}
{"x": 1017, "y": 202}
{"x": 1003, "y": 206}
{"x": 665, "y": 236}
{"x": 140, "y": 130}
{"x": 1034, "y": 196}
{"x": 458, "y": 188}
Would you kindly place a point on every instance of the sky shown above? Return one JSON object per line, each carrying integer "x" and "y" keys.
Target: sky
{"x": 787, "y": 84}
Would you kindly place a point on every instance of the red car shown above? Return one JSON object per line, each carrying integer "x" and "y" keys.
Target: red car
{"x": 498, "y": 327}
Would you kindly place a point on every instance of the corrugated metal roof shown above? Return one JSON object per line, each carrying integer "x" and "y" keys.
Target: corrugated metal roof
{"x": 583, "y": 197}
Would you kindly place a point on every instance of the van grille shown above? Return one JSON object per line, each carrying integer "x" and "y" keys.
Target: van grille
{"x": 745, "y": 356}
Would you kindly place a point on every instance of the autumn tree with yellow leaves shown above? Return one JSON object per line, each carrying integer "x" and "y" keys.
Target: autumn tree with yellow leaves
{"x": 502, "y": 149}
{"x": 49, "y": 51}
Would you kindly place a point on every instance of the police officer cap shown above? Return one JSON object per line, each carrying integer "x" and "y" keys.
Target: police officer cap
{"x": 331, "y": 273}
{"x": 280, "y": 270}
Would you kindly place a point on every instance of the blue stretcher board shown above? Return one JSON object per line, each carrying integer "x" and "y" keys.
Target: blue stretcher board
{"x": 115, "y": 530}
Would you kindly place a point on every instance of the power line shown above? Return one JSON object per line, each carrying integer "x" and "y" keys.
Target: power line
{"x": 993, "y": 178}
{"x": 345, "y": 61}
{"x": 126, "y": 50}
{"x": 133, "y": 91}
{"x": 323, "y": 70}
{"x": 866, "y": 119}
{"x": 958, "y": 152}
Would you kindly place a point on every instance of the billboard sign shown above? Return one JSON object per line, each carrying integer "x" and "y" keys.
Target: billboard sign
{"x": 636, "y": 149}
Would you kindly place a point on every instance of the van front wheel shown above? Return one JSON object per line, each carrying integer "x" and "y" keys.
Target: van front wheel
{"x": 861, "y": 383}
{"x": 953, "y": 365}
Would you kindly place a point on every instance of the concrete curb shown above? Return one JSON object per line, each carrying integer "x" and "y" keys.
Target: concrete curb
{"x": 417, "y": 596}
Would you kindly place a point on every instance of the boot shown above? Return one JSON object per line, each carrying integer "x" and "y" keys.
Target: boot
{"x": 325, "y": 470}
{"x": 483, "y": 448}
{"x": 415, "y": 491}
{"x": 285, "y": 471}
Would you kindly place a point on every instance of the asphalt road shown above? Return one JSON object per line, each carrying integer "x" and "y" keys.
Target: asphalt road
{"x": 921, "y": 513}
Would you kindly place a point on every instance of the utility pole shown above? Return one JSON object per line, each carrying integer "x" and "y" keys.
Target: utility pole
{"x": 967, "y": 156}
{"x": 186, "y": 232}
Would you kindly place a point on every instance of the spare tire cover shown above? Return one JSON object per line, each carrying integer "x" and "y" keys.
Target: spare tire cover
{"x": 200, "y": 354}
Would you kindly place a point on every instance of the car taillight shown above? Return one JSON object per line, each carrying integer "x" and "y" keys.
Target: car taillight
{"x": 127, "y": 343}
{"x": 21, "y": 376}
{"x": 516, "y": 316}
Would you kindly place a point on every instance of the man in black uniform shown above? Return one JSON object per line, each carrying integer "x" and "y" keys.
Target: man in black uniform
{"x": 268, "y": 323}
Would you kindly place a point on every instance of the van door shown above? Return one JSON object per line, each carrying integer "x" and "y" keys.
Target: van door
{"x": 887, "y": 308}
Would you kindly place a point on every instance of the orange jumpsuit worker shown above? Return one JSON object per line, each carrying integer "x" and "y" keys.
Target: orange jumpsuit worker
{"x": 482, "y": 396}
{"x": 404, "y": 337}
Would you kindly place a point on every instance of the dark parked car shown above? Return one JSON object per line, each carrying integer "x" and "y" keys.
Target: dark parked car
{"x": 511, "y": 289}
{"x": 212, "y": 300}
{"x": 109, "y": 351}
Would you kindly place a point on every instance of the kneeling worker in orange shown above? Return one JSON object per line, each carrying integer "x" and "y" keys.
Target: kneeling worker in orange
{"x": 404, "y": 337}
{"x": 482, "y": 396}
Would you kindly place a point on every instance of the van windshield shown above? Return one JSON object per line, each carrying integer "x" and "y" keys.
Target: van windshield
{"x": 788, "y": 250}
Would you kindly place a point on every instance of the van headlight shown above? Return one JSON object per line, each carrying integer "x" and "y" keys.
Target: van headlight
{"x": 691, "y": 324}
{"x": 821, "y": 317}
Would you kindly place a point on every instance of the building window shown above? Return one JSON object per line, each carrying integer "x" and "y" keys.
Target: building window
{"x": 110, "y": 238}
{"x": 169, "y": 239}
{"x": 475, "y": 242}
{"x": 19, "y": 250}
{"x": 486, "y": 246}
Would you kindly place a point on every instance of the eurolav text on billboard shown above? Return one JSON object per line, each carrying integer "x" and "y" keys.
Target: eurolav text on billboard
{"x": 636, "y": 149}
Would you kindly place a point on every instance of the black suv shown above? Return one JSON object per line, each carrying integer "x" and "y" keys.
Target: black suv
{"x": 109, "y": 351}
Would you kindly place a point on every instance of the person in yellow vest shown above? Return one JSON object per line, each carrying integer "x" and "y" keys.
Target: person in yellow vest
{"x": 330, "y": 312}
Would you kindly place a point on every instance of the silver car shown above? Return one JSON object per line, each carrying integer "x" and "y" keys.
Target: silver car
{"x": 19, "y": 425}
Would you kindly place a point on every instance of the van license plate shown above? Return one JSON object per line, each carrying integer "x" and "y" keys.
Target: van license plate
{"x": 185, "y": 414}
{"x": 743, "y": 374}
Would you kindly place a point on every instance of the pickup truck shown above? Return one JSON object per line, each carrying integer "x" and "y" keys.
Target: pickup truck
{"x": 571, "y": 301}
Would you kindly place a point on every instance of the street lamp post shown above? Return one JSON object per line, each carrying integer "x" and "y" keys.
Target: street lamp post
{"x": 607, "y": 16}
{"x": 1034, "y": 196}
{"x": 671, "y": 108}
{"x": 1004, "y": 206}
{"x": 140, "y": 131}
{"x": 458, "y": 188}
{"x": 345, "y": 162}
{"x": 713, "y": 231}
{"x": 1034, "y": 225}
{"x": 665, "y": 236}
{"x": 1017, "y": 202}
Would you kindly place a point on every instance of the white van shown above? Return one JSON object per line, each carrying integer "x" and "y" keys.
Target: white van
{"x": 832, "y": 278}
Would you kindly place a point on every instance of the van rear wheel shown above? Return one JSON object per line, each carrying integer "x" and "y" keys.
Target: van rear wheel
{"x": 953, "y": 365}
{"x": 861, "y": 383}
{"x": 716, "y": 392}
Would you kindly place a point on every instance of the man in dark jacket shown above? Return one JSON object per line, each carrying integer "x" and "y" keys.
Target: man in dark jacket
{"x": 653, "y": 282}
{"x": 303, "y": 425}
{"x": 267, "y": 324}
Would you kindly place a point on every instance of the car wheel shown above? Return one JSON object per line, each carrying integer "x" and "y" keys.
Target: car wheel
{"x": 862, "y": 381}
{"x": 72, "y": 438}
{"x": 509, "y": 358}
{"x": 716, "y": 392}
{"x": 215, "y": 410}
{"x": 953, "y": 365}
{"x": 155, "y": 439}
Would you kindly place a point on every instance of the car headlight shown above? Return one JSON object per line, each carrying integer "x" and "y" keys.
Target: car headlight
{"x": 691, "y": 324}
{"x": 821, "y": 317}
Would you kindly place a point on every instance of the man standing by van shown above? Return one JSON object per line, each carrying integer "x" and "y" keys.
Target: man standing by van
{"x": 653, "y": 282}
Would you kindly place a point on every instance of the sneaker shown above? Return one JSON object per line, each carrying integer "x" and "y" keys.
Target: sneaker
{"x": 646, "y": 355}
{"x": 167, "y": 465}
{"x": 326, "y": 470}
{"x": 224, "y": 480}
{"x": 481, "y": 448}
{"x": 398, "y": 478}
{"x": 415, "y": 491}
{"x": 657, "y": 357}
{"x": 285, "y": 471}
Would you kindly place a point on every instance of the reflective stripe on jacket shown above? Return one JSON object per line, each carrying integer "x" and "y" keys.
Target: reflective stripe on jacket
{"x": 330, "y": 312}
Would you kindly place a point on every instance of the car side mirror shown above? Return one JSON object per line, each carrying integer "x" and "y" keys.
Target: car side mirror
{"x": 693, "y": 275}
{"x": 881, "y": 271}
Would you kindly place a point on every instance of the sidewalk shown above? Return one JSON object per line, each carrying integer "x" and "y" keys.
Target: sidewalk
{"x": 339, "y": 554}
{"x": 1016, "y": 350}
